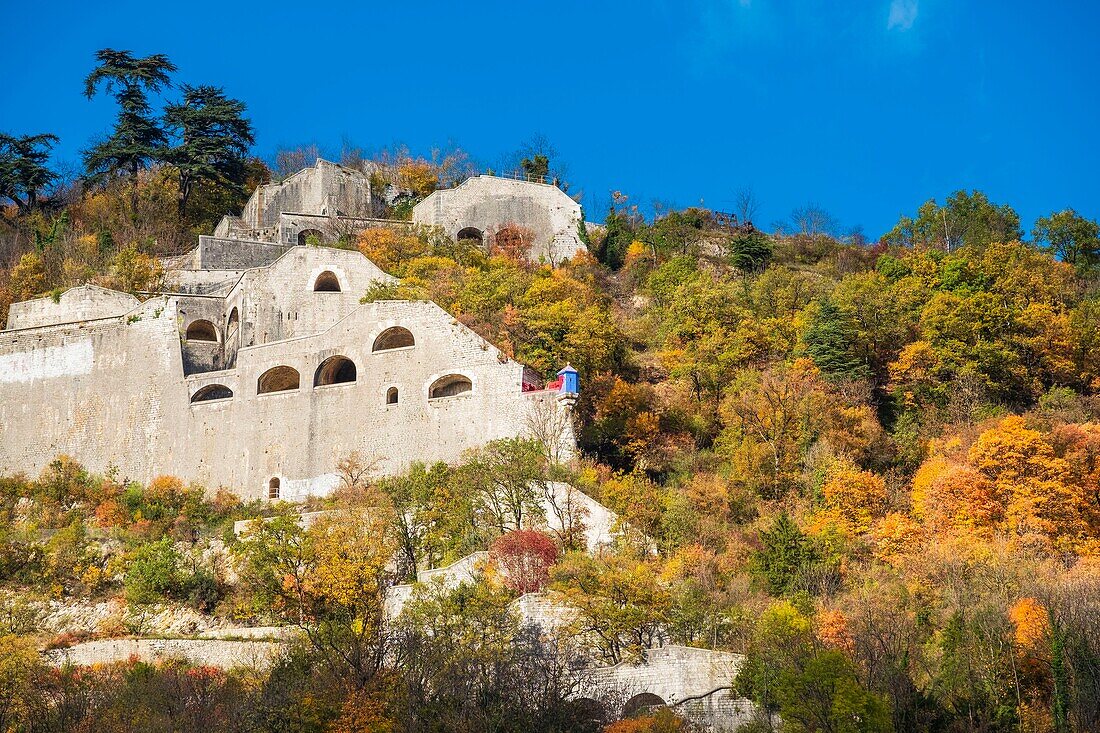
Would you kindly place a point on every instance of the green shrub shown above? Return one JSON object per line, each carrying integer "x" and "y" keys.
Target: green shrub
{"x": 154, "y": 573}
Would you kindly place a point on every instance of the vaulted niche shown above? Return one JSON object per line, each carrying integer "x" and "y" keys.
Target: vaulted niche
{"x": 278, "y": 379}
{"x": 393, "y": 338}
{"x": 451, "y": 385}
{"x": 335, "y": 370}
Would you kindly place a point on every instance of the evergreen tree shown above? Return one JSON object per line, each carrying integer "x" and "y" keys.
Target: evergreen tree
{"x": 537, "y": 166}
{"x": 617, "y": 237}
{"x": 750, "y": 251}
{"x": 23, "y": 169}
{"x": 831, "y": 341}
{"x": 138, "y": 138}
{"x": 787, "y": 552}
{"x": 213, "y": 140}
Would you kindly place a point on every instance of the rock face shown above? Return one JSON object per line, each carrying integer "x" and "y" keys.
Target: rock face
{"x": 485, "y": 207}
{"x": 113, "y": 617}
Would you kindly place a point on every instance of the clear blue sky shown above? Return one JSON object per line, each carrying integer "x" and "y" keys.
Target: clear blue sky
{"x": 863, "y": 108}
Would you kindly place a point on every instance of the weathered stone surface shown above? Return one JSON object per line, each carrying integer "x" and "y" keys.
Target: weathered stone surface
{"x": 117, "y": 391}
{"x": 212, "y": 652}
{"x": 486, "y": 204}
{"x": 84, "y": 303}
{"x": 324, "y": 189}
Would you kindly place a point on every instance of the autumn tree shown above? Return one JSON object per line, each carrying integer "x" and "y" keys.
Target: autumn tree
{"x": 621, "y": 605}
{"x": 524, "y": 558}
{"x": 330, "y": 581}
{"x": 19, "y": 662}
{"x": 465, "y": 663}
{"x": 769, "y": 415}
{"x": 853, "y": 498}
{"x": 813, "y": 689}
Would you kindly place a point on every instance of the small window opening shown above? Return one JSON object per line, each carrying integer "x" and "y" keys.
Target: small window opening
{"x": 273, "y": 487}
{"x": 391, "y": 396}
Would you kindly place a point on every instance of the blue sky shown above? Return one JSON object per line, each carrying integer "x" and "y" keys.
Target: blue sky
{"x": 865, "y": 109}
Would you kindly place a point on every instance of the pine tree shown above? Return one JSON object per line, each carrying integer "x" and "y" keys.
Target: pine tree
{"x": 831, "y": 343}
{"x": 23, "y": 169}
{"x": 138, "y": 138}
{"x": 750, "y": 251}
{"x": 214, "y": 138}
{"x": 787, "y": 552}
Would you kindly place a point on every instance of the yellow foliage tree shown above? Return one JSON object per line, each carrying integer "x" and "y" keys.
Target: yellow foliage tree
{"x": 1030, "y": 620}
{"x": 390, "y": 248}
{"x": 896, "y": 537}
{"x": 28, "y": 277}
{"x": 1029, "y": 480}
{"x": 853, "y": 498}
{"x": 947, "y": 495}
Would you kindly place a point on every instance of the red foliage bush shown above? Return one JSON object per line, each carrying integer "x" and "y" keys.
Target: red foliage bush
{"x": 524, "y": 558}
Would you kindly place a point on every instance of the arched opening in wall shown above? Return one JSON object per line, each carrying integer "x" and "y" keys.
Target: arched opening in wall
{"x": 310, "y": 236}
{"x": 212, "y": 392}
{"x": 589, "y": 710}
{"x": 201, "y": 330}
{"x": 470, "y": 233}
{"x": 273, "y": 488}
{"x": 642, "y": 703}
{"x": 451, "y": 385}
{"x": 393, "y": 338}
{"x": 391, "y": 396}
{"x": 277, "y": 379}
{"x": 334, "y": 370}
{"x": 233, "y": 323}
{"x": 326, "y": 282}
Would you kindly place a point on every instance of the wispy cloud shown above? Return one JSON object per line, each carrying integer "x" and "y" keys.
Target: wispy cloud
{"x": 903, "y": 13}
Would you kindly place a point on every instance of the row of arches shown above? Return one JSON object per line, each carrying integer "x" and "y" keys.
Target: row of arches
{"x": 640, "y": 704}
{"x": 334, "y": 370}
{"x": 395, "y": 337}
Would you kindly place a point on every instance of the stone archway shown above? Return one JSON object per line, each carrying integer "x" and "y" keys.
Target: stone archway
{"x": 470, "y": 233}
{"x": 642, "y": 703}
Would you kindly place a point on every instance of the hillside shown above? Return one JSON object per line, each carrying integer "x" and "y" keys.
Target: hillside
{"x": 871, "y": 468}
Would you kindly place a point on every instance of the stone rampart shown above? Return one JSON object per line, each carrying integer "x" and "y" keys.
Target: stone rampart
{"x": 113, "y": 392}
{"x": 212, "y": 652}
{"x": 481, "y": 206}
{"x": 83, "y": 303}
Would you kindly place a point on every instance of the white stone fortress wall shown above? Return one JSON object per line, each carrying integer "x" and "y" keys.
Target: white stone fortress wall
{"x": 125, "y": 390}
{"x": 484, "y": 204}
